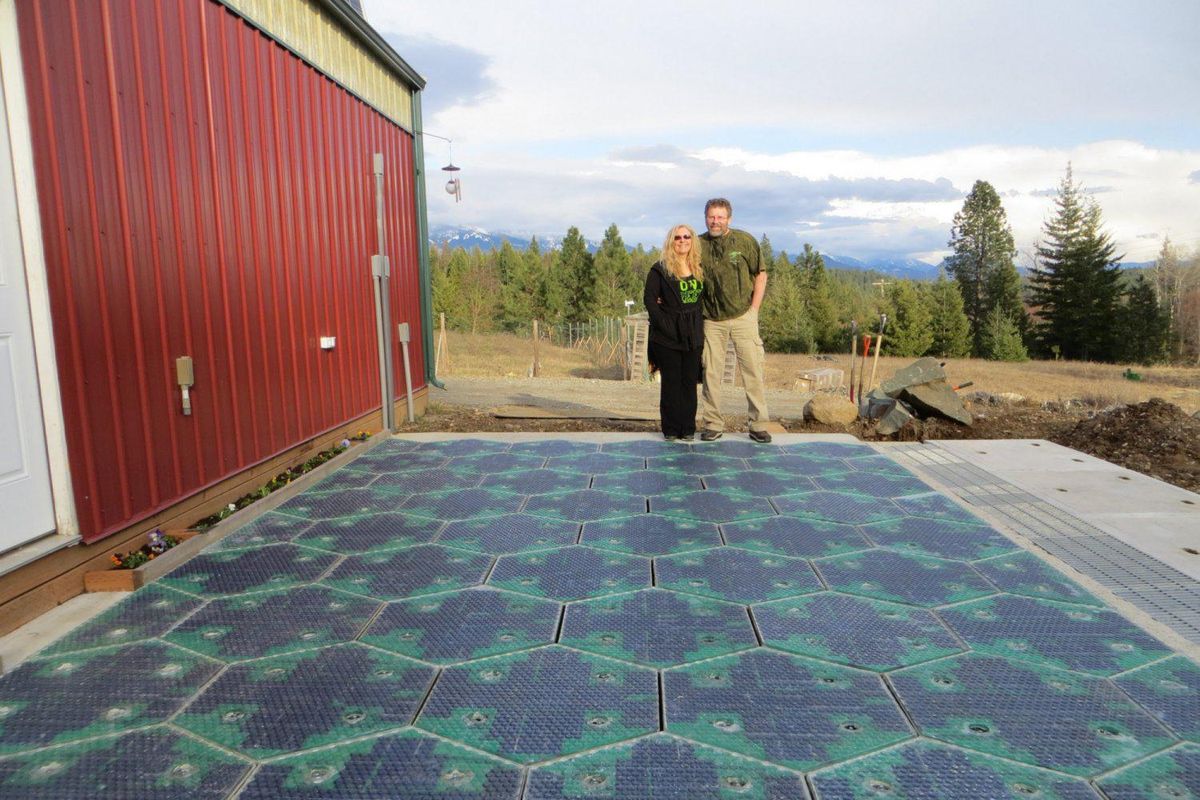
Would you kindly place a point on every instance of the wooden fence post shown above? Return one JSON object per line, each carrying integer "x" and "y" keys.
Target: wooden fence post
{"x": 537, "y": 367}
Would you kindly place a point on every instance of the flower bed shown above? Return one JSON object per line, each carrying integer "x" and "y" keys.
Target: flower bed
{"x": 155, "y": 557}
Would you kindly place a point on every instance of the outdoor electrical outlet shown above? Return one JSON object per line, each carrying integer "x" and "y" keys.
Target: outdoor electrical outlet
{"x": 328, "y": 342}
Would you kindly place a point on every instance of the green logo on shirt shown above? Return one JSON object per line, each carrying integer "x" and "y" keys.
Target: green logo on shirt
{"x": 690, "y": 289}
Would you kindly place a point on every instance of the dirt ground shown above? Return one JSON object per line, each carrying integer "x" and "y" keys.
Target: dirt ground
{"x": 1153, "y": 437}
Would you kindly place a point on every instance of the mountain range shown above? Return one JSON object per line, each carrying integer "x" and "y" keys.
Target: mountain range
{"x": 467, "y": 238}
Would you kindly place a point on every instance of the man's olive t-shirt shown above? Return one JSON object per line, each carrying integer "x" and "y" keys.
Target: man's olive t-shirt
{"x": 730, "y": 264}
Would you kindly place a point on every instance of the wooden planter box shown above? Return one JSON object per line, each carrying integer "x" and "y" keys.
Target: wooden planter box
{"x": 126, "y": 580}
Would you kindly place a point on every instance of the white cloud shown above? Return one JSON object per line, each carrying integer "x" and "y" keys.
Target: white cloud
{"x": 855, "y": 125}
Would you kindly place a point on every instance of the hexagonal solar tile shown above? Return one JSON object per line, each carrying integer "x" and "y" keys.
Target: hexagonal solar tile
{"x": 1170, "y": 690}
{"x": 851, "y": 509}
{"x": 925, "y": 770}
{"x": 646, "y": 483}
{"x": 596, "y": 463}
{"x": 829, "y": 449}
{"x": 657, "y": 628}
{"x": 873, "y": 484}
{"x": 221, "y": 572}
{"x": 398, "y": 462}
{"x": 463, "y": 504}
{"x": 903, "y": 578}
{"x": 939, "y": 538}
{"x": 513, "y": 705}
{"x": 1173, "y": 774}
{"x": 713, "y": 505}
{"x": 800, "y": 465}
{"x": 548, "y": 448}
{"x": 642, "y": 448}
{"x": 369, "y": 533}
{"x": 428, "y": 480}
{"x": 344, "y": 479}
{"x": 662, "y": 765}
{"x": 510, "y": 533}
{"x": 936, "y": 506}
{"x": 759, "y": 482}
{"x": 395, "y": 575}
{"x": 148, "y": 612}
{"x": 463, "y": 447}
{"x": 537, "y": 481}
{"x": 877, "y": 465}
{"x": 465, "y": 625}
{"x": 782, "y": 709}
{"x": 792, "y": 536}
{"x": 351, "y": 502}
{"x": 409, "y": 764}
{"x": 1091, "y": 640}
{"x": 1045, "y": 717}
{"x": 737, "y": 448}
{"x": 1026, "y": 574}
{"x": 739, "y": 576}
{"x": 695, "y": 463}
{"x": 585, "y": 505}
{"x": 169, "y": 766}
{"x": 96, "y": 692}
{"x": 303, "y": 700}
{"x": 854, "y": 630}
{"x": 270, "y": 528}
{"x": 492, "y": 463}
{"x": 232, "y": 629}
{"x": 650, "y": 535}
{"x": 571, "y": 573}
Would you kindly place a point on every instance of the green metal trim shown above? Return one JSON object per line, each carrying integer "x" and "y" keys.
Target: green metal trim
{"x": 424, "y": 278}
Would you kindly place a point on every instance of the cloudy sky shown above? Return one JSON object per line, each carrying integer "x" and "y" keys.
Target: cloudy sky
{"x": 855, "y": 125}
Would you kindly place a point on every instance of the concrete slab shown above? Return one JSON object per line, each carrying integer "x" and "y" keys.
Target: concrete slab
{"x": 1160, "y": 520}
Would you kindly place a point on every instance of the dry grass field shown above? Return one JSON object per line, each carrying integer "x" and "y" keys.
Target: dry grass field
{"x": 1095, "y": 385}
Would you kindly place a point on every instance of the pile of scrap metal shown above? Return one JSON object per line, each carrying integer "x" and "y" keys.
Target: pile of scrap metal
{"x": 919, "y": 391}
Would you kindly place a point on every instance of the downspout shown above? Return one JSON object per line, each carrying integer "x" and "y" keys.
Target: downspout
{"x": 425, "y": 282}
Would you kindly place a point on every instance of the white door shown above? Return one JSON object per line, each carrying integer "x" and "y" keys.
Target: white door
{"x": 26, "y": 504}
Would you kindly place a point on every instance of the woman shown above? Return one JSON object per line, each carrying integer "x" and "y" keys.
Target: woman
{"x": 672, "y": 298}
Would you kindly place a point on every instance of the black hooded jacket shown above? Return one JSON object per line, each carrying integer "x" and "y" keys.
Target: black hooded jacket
{"x": 674, "y": 323}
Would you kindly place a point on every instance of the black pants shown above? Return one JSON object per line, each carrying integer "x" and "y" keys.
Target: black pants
{"x": 677, "y": 401}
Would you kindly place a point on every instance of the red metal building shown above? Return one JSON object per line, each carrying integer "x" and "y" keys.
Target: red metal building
{"x": 194, "y": 179}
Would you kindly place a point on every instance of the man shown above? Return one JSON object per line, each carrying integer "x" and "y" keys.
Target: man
{"x": 735, "y": 281}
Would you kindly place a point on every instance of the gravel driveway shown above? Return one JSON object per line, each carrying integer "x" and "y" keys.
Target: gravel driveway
{"x": 591, "y": 397}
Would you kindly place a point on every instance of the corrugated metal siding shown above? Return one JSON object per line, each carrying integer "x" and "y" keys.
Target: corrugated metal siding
{"x": 305, "y": 27}
{"x": 203, "y": 193}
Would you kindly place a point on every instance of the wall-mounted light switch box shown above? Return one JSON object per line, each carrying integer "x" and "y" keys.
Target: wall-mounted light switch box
{"x": 328, "y": 342}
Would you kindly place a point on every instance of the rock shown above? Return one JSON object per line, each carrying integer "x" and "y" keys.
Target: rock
{"x": 923, "y": 370}
{"x": 1010, "y": 398}
{"x": 936, "y": 398}
{"x": 831, "y": 410}
{"x": 896, "y": 418}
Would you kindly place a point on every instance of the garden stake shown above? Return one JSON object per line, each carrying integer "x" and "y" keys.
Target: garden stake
{"x": 878, "y": 344}
{"x": 875, "y": 362}
{"x": 853, "y": 347}
{"x": 863, "y": 364}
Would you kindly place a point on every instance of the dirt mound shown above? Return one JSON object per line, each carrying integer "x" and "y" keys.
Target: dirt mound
{"x": 1155, "y": 438}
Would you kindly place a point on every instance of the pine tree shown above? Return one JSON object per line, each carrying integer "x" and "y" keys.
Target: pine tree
{"x": 1001, "y": 338}
{"x": 818, "y": 301}
{"x": 782, "y": 323}
{"x": 552, "y": 293}
{"x": 519, "y": 281}
{"x": 1076, "y": 281}
{"x": 909, "y": 331}
{"x": 982, "y": 263}
{"x": 575, "y": 269}
{"x": 614, "y": 276}
{"x": 1144, "y": 325}
{"x": 950, "y": 327}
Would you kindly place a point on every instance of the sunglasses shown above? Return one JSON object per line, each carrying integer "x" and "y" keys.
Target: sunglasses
{"x": 682, "y": 237}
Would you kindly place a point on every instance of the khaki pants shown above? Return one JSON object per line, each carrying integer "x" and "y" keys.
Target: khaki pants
{"x": 748, "y": 345}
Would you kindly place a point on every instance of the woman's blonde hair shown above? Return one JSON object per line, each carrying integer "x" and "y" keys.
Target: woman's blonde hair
{"x": 675, "y": 264}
